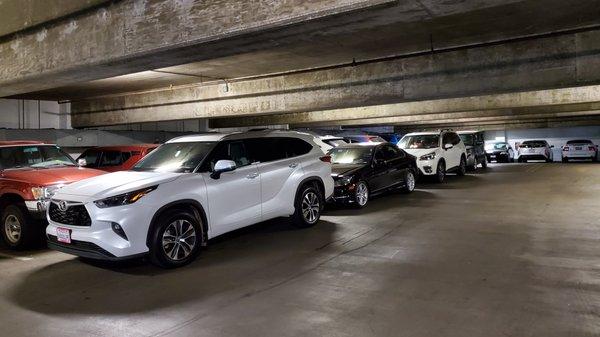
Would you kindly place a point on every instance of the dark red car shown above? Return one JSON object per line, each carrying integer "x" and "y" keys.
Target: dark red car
{"x": 30, "y": 173}
{"x": 115, "y": 158}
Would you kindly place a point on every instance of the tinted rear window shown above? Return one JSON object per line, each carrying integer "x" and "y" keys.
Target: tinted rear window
{"x": 533, "y": 144}
{"x": 580, "y": 141}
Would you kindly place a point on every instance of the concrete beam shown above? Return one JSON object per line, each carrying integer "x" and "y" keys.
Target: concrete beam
{"x": 349, "y": 92}
{"x": 505, "y": 125}
{"x": 553, "y": 100}
{"x": 567, "y": 110}
{"x": 136, "y": 35}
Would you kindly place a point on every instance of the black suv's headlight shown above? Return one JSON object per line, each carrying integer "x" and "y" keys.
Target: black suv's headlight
{"x": 428, "y": 156}
{"x": 124, "y": 199}
{"x": 343, "y": 181}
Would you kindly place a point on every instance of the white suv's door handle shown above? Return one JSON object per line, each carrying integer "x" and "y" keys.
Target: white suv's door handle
{"x": 252, "y": 175}
{"x": 293, "y": 165}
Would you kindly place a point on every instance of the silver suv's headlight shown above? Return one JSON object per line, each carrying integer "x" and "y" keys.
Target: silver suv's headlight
{"x": 343, "y": 181}
{"x": 429, "y": 156}
{"x": 125, "y": 198}
{"x": 44, "y": 192}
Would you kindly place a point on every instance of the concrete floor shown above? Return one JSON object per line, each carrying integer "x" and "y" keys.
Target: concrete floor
{"x": 510, "y": 251}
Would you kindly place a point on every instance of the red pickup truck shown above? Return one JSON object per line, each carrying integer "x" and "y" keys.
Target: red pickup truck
{"x": 30, "y": 173}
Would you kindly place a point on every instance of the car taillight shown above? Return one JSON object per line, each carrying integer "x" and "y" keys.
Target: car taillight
{"x": 326, "y": 159}
{"x": 592, "y": 148}
{"x": 565, "y": 148}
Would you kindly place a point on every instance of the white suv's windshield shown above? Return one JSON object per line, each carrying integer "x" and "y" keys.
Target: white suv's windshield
{"x": 419, "y": 142}
{"x": 33, "y": 157}
{"x": 175, "y": 157}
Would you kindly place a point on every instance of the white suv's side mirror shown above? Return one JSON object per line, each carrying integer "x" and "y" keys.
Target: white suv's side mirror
{"x": 81, "y": 162}
{"x": 448, "y": 146}
{"x": 222, "y": 166}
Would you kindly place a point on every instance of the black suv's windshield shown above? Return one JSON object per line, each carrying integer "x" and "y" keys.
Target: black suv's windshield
{"x": 419, "y": 142}
{"x": 175, "y": 157}
{"x": 36, "y": 156}
{"x": 351, "y": 155}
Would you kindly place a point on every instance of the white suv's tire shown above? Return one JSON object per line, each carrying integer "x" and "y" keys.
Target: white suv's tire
{"x": 176, "y": 239}
{"x": 462, "y": 167}
{"x": 308, "y": 206}
{"x": 440, "y": 172}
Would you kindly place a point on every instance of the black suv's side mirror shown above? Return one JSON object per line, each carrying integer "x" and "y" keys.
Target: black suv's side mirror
{"x": 222, "y": 166}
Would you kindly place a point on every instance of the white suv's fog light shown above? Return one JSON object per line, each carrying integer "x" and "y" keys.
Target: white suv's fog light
{"x": 118, "y": 230}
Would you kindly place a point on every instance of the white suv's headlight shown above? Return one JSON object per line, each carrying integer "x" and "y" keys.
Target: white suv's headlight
{"x": 125, "y": 198}
{"x": 428, "y": 156}
{"x": 44, "y": 192}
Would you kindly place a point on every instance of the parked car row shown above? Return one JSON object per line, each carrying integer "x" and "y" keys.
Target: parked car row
{"x": 501, "y": 151}
{"x": 166, "y": 202}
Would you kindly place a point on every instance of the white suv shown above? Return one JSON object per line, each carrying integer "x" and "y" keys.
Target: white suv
{"x": 436, "y": 152}
{"x": 189, "y": 190}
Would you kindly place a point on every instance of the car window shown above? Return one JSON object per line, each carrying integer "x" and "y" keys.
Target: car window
{"x": 266, "y": 149}
{"x": 91, "y": 158}
{"x": 351, "y": 155}
{"x": 296, "y": 147}
{"x": 580, "y": 141}
{"x": 533, "y": 144}
{"x": 229, "y": 150}
{"x": 468, "y": 138}
{"x": 390, "y": 152}
{"x": 446, "y": 139}
{"x": 419, "y": 142}
{"x": 454, "y": 138}
{"x": 111, "y": 158}
{"x": 33, "y": 156}
{"x": 126, "y": 156}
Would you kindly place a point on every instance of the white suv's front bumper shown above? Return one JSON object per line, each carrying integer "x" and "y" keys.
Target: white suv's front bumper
{"x": 427, "y": 167}
{"x": 99, "y": 240}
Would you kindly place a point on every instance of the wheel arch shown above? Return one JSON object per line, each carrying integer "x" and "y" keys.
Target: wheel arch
{"x": 10, "y": 198}
{"x": 184, "y": 205}
{"x": 314, "y": 180}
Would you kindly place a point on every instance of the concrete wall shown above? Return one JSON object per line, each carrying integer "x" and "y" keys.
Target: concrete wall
{"x": 32, "y": 114}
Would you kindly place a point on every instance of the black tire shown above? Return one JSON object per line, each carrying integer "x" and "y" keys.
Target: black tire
{"x": 18, "y": 229}
{"x": 462, "y": 167}
{"x": 484, "y": 163}
{"x": 170, "y": 256}
{"x": 305, "y": 214}
{"x": 361, "y": 202}
{"x": 440, "y": 172}
{"x": 409, "y": 185}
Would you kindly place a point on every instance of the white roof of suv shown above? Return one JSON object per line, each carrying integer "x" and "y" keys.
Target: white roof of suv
{"x": 215, "y": 137}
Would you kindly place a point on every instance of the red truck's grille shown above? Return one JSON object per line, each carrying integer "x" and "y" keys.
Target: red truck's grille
{"x": 74, "y": 215}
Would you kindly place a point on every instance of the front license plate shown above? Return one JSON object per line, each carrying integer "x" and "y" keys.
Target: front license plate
{"x": 63, "y": 235}
{"x": 493, "y": 156}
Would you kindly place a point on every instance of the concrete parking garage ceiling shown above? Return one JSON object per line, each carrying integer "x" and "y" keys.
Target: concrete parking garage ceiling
{"x": 144, "y": 61}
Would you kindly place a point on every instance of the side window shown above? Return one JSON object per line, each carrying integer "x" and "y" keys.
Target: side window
{"x": 446, "y": 139}
{"x": 233, "y": 150}
{"x": 111, "y": 158}
{"x": 455, "y": 139}
{"x": 296, "y": 147}
{"x": 379, "y": 154}
{"x": 390, "y": 152}
{"x": 91, "y": 158}
{"x": 266, "y": 149}
{"x": 126, "y": 156}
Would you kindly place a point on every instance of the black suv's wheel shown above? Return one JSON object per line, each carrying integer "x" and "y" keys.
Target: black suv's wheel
{"x": 17, "y": 228}
{"x": 462, "y": 168}
{"x": 409, "y": 181}
{"x": 440, "y": 172}
{"x": 176, "y": 239}
{"x": 361, "y": 194}
{"x": 308, "y": 205}
{"x": 484, "y": 163}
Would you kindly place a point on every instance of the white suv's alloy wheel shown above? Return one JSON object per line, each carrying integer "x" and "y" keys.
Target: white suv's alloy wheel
{"x": 362, "y": 194}
{"x": 12, "y": 228}
{"x": 311, "y": 207}
{"x": 179, "y": 240}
